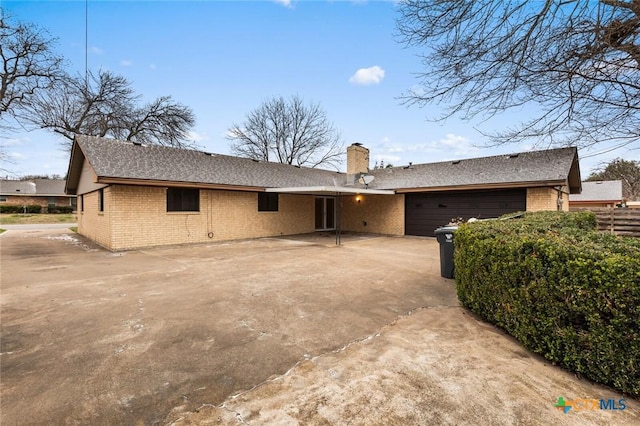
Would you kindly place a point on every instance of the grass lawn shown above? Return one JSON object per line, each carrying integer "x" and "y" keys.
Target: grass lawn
{"x": 18, "y": 219}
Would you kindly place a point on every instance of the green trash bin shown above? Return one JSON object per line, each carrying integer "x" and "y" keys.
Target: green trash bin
{"x": 444, "y": 235}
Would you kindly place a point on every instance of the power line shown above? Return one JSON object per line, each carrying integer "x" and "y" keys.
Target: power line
{"x": 86, "y": 44}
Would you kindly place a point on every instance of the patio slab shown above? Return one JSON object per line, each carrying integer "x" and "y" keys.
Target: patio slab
{"x": 268, "y": 331}
{"x": 94, "y": 337}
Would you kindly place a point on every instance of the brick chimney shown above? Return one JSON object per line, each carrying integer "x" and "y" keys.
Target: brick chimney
{"x": 357, "y": 159}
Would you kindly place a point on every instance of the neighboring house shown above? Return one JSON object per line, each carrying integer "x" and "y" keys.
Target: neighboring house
{"x": 598, "y": 194}
{"x": 132, "y": 195}
{"x": 46, "y": 193}
{"x": 633, "y": 204}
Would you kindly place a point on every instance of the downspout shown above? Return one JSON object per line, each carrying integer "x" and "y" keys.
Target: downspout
{"x": 559, "y": 201}
{"x": 338, "y": 218}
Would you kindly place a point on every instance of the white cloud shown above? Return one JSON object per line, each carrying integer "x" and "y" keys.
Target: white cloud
{"x": 16, "y": 156}
{"x": 229, "y": 134}
{"x": 454, "y": 141}
{"x": 448, "y": 147}
{"x": 126, "y": 63}
{"x": 451, "y": 145}
{"x": 417, "y": 90}
{"x": 96, "y": 50}
{"x": 367, "y": 76}
{"x": 390, "y": 146}
{"x": 285, "y": 3}
{"x": 386, "y": 160}
{"x": 387, "y": 146}
{"x": 12, "y": 142}
{"x": 196, "y": 137}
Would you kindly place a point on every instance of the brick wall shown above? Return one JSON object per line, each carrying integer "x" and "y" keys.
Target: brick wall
{"x": 92, "y": 223}
{"x": 138, "y": 217}
{"x": 383, "y": 214}
{"x": 545, "y": 198}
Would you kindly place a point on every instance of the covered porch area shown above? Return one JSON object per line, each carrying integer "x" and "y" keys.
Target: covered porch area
{"x": 340, "y": 210}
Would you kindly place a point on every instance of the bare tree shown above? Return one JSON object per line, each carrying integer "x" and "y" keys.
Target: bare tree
{"x": 628, "y": 171}
{"x": 28, "y": 63}
{"x": 5, "y": 159}
{"x": 578, "y": 61}
{"x": 106, "y": 105}
{"x": 288, "y": 131}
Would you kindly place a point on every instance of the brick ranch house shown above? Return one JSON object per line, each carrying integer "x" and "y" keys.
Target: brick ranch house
{"x": 132, "y": 195}
{"x": 47, "y": 193}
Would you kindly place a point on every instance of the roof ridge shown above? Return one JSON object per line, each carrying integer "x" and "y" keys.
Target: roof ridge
{"x": 101, "y": 140}
{"x": 511, "y": 154}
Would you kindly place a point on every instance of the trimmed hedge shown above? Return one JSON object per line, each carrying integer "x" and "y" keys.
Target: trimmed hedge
{"x": 34, "y": 209}
{"x": 563, "y": 290}
{"x": 60, "y": 209}
{"x": 4, "y": 208}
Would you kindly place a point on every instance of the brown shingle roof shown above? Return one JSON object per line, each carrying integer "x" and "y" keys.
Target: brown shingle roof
{"x": 113, "y": 159}
{"x": 17, "y": 187}
{"x": 36, "y": 187}
{"x": 547, "y": 166}
{"x": 49, "y": 186}
{"x": 125, "y": 160}
{"x": 608, "y": 190}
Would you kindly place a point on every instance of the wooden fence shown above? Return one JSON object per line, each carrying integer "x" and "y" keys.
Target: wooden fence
{"x": 618, "y": 221}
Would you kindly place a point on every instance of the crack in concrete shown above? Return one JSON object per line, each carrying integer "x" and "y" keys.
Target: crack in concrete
{"x": 237, "y": 414}
{"x": 306, "y": 357}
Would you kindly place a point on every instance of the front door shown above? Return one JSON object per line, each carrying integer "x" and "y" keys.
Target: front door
{"x": 325, "y": 213}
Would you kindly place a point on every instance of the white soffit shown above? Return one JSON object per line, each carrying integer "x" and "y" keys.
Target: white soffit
{"x": 330, "y": 190}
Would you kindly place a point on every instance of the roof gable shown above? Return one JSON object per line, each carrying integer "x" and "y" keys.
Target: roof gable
{"x": 124, "y": 160}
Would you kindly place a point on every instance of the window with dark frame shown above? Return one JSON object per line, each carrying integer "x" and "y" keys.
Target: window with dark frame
{"x": 267, "y": 201}
{"x": 101, "y": 200}
{"x": 183, "y": 200}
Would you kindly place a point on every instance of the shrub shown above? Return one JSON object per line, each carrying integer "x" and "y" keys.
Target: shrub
{"x": 543, "y": 221}
{"x": 560, "y": 288}
{"x": 60, "y": 209}
{"x": 4, "y": 208}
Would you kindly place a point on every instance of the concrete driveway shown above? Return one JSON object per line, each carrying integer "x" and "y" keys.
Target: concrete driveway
{"x": 34, "y": 226}
{"x": 264, "y": 331}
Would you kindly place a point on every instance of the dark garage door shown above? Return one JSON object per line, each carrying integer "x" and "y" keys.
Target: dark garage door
{"x": 426, "y": 211}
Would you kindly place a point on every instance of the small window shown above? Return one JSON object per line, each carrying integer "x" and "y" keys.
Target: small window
{"x": 183, "y": 200}
{"x": 267, "y": 201}
{"x": 3, "y": 198}
{"x": 51, "y": 202}
{"x": 101, "y": 200}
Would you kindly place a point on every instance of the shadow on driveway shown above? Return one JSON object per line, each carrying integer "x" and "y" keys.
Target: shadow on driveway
{"x": 94, "y": 337}
{"x": 269, "y": 331}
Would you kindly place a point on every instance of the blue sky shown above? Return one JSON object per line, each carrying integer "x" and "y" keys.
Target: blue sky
{"x": 224, "y": 58}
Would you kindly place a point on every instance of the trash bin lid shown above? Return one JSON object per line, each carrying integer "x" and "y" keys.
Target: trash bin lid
{"x": 446, "y": 229}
